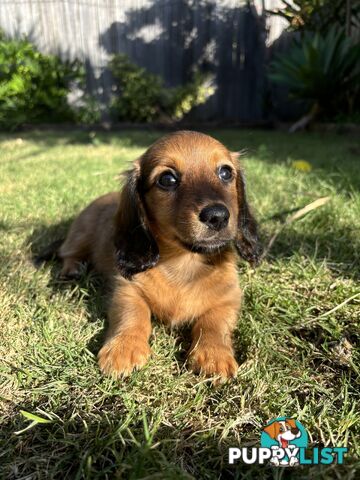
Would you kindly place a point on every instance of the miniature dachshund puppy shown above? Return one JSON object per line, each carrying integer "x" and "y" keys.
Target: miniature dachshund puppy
{"x": 168, "y": 244}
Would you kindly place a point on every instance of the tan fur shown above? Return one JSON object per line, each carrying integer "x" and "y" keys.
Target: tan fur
{"x": 183, "y": 286}
{"x": 291, "y": 422}
{"x": 273, "y": 430}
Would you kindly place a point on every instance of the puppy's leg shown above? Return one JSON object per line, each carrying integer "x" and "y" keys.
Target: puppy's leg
{"x": 211, "y": 352}
{"x": 126, "y": 346}
{"x": 73, "y": 252}
{"x": 70, "y": 268}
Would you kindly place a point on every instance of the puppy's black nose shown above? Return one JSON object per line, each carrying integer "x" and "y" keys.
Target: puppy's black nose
{"x": 215, "y": 216}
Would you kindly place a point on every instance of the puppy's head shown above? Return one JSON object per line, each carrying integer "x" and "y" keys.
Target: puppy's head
{"x": 186, "y": 191}
{"x": 285, "y": 429}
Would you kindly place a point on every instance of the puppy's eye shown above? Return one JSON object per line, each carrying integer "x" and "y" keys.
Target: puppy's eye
{"x": 168, "y": 181}
{"x": 225, "y": 173}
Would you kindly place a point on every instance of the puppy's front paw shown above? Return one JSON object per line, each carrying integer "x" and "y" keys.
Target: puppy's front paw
{"x": 71, "y": 269}
{"x": 213, "y": 360}
{"x": 122, "y": 354}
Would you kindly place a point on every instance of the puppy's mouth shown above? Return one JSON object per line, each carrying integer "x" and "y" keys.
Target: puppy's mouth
{"x": 205, "y": 247}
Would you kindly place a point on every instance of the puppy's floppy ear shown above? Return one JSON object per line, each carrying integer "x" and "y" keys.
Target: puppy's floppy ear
{"x": 247, "y": 241}
{"x": 271, "y": 430}
{"x": 136, "y": 248}
{"x": 291, "y": 422}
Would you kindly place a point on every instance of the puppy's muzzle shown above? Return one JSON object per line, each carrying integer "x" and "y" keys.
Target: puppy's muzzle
{"x": 216, "y": 216}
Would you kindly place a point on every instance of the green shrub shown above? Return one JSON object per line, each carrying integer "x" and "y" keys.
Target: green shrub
{"x": 318, "y": 15}
{"x": 322, "y": 70}
{"x": 85, "y": 107}
{"x": 182, "y": 99}
{"x": 34, "y": 87}
{"x": 139, "y": 91}
{"x": 142, "y": 96}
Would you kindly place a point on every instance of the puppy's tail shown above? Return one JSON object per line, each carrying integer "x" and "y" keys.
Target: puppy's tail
{"x": 51, "y": 252}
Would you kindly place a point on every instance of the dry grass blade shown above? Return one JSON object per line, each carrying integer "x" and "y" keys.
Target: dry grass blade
{"x": 308, "y": 208}
{"x": 295, "y": 216}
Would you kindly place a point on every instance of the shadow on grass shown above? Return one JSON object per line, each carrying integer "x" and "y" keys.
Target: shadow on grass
{"x": 333, "y": 157}
{"x": 94, "y": 446}
{"x": 57, "y": 137}
{"x": 42, "y": 242}
{"x": 339, "y": 249}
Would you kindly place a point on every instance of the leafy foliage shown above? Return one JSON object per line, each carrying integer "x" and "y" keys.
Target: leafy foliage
{"x": 323, "y": 70}
{"x": 142, "y": 96}
{"x": 140, "y": 91}
{"x": 185, "y": 97}
{"x": 318, "y": 15}
{"x": 33, "y": 86}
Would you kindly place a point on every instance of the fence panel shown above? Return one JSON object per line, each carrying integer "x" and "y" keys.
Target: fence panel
{"x": 226, "y": 38}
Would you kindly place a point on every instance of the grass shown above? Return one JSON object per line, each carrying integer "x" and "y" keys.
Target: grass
{"x": 297, "y": 339}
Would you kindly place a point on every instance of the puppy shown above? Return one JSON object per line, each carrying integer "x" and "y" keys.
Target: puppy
{"x": 168, "y": 244}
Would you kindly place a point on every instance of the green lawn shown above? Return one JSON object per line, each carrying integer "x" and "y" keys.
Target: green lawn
{"x": 297, "y": 339}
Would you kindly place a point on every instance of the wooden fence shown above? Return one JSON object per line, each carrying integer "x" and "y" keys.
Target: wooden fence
{"x": 227, "y": 38}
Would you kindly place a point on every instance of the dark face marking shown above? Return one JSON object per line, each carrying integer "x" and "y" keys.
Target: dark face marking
{"x": 136, "y": 248}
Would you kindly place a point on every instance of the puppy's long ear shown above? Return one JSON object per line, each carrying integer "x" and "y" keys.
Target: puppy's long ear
{"x": 291, "y": 422}
{"x": 136, "y": 248}
{"x": 271, "y": 430}
{"x": 247, "y": 241}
